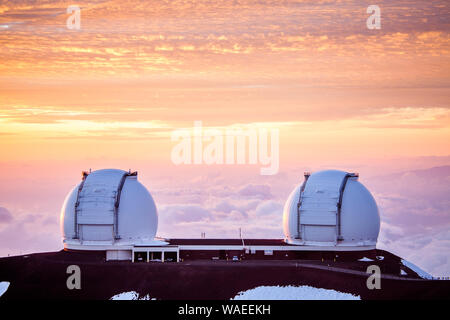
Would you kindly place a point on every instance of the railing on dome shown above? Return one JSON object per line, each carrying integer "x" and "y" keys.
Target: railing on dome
{"x": 84, "y": 175}
{"x": 116, "y": 202}
{"x": 302, "y": 188}
{"x": 339, "y": 204}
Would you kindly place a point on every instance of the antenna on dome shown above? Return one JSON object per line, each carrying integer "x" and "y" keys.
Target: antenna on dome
{"x": 84, "y": 174}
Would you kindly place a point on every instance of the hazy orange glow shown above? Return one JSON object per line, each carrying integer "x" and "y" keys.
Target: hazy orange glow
{"x": 136, "y": 71}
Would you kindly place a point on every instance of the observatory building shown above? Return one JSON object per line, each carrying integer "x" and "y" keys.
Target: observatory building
{"x": 109, "y": 210}
{"x": 331, "y": 212}
{"x": 331, "y": 208}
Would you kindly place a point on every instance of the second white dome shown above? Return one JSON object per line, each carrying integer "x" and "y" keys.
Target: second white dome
{"x": 331, "y": 208}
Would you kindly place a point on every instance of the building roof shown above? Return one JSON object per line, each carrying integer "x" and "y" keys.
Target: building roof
{"x": 230, "y": 242}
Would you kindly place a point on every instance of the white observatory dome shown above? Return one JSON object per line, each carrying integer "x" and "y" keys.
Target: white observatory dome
{"x": 331, "y": 208}
{"x": 107, "y": 209}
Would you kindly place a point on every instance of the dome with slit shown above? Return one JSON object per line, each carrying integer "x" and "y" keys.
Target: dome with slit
{"x": 109, "y": 207}
{"x": 331, "y": 208}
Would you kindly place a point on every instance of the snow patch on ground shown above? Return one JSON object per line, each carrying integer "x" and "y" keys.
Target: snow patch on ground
{"x": 293, "y": 293}
{"x": 365, "y": 259}
{"x": 130, "y": 295}
{"x": 4, "y": 285}
{"x": 417, "y": 270}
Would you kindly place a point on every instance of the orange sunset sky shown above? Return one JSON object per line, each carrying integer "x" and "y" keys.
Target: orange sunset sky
{"x": 341, "y": 95}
